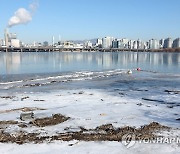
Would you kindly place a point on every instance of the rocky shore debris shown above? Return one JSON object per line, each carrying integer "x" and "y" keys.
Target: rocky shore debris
{"x": 120, "y": 93}
{"x": 49, "y": 121}
{"x": 169, "y": 104}
{"x": 27, "y": 116}
{"x": 73, "y": 144}
{"x": 81, "y": 92}
{"x": 105, "y": 132}
{"x": 172, "y": 91}
{"x": 129, "y": 72}
{"x": 44, "y": 84}
{"x": 53, "y": 81}
{"x": 32, "y": 85}
{"x": 153, "y": 100}
{"x": 10, "y": 122}
{"x": 139, "y": 104}
{"x": 106, "y": 128}
{"x": 23, "y": 125}
{"x": 39, "y": 100}
{"x": 140, "y": 90}
{"x": 24, "y": 98}
{"x": 24, "y": 109}
{"x": 7, "y": 97}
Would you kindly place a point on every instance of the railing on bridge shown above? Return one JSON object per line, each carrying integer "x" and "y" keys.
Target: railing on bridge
{"x": 51, "y": 49}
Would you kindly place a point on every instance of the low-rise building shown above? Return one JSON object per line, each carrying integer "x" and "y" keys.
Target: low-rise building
{"x": 1, "y": 42}
{"x": 88, "y": 44}
{"x": 15, "y": 43}
{"x": 45, "y": 44}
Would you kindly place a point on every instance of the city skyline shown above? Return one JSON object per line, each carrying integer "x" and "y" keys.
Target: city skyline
{"x": 79, "y": 20}
{"x": 107, "y": 42}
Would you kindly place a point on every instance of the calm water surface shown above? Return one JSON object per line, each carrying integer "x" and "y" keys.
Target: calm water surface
{"x": 33, "y": 63}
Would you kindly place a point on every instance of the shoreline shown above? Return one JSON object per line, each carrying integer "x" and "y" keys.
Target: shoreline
{"x": 74, "y": 118}
{"x": 113, "y": 107}
{"x": 74, "y": 121}
{"x": 51, "y": 49}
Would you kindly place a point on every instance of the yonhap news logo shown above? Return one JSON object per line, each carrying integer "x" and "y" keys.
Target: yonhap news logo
{"x": 130, "y": 139}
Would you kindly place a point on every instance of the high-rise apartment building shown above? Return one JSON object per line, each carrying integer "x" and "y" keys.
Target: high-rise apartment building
{"x": 140, "y": 44}
{"x": 107, "y": 42}
{"x": 53, "y": 41}
{"x": 99, "y": 41}
{"x": 153, "y": 44}
{"x": 130, "y": 44}
{"x": 116, "y": 43}
{"x": 168, "y": 43}
{"x": 176, "y": 43}
{"x": 161, "y": 43}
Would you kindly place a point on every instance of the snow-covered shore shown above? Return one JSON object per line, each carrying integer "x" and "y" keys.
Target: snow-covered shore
{"x": 87, "y": 108}
{"x": 88, "y": 148}
{"x": 89, "y": 100}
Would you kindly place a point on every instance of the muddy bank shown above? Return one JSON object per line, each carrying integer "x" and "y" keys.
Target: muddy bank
{"x": 102, "y": 133}
{"x": 49, "y": 121}
{"x": 24, "y": 109}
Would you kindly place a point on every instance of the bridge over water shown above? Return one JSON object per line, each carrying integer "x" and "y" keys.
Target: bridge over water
{"x": 51, "y": 49}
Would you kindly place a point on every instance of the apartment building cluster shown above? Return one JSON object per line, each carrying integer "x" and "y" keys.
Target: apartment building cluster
{"x": 10, "y": 40}
{"x": 110, "y": 42}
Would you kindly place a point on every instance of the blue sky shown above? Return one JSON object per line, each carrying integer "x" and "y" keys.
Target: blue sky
{"x": 86, "y": 19}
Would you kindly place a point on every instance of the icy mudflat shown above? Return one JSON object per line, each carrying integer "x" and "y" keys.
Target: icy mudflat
{"x": 88, "y": 109}
{"x": 89, "y": 102}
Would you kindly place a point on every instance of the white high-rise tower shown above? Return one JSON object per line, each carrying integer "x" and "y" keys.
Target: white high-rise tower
{"x": 59, "y": 38}
{"x": 53, "y": 41}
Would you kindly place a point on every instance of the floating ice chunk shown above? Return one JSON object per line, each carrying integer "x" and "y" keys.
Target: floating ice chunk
{"x": 129, "y": 72}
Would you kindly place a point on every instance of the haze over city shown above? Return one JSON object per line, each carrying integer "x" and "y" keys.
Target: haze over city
{"x": 79, "y": 20}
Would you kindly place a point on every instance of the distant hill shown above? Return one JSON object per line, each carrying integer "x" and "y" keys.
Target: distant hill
{"x": 83, "y": 41}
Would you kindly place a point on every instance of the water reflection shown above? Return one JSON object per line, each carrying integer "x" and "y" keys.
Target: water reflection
{"x": 19, "y": 63}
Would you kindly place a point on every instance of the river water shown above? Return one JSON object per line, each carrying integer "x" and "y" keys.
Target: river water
{"x": 157, "y": 84}
{"x": 30, "y": 63}
{"x": 19, "y": 69}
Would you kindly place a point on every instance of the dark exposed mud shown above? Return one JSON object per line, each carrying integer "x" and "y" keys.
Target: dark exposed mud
{"x": 172, "y": 91}
{"x": 7, "y": 97}
{"x": 49, "y": 121}
{"x": 102, "y": 133}
{"x": 10, "y": 122}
